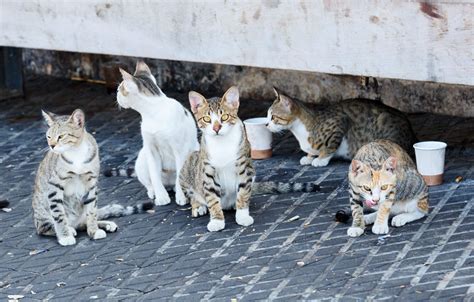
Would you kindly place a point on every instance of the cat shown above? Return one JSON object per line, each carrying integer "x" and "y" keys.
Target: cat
{"x": 168, "y": 131}
{"x": 339, "y": 129}
{"x": 220, "y": 175}
{"x": 65, "y": 193}
{"x": 383, "y": 177}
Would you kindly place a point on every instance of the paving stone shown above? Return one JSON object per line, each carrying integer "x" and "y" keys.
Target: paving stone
{"x": 167, "y": 255}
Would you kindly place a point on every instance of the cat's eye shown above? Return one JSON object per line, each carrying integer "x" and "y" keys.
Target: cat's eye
{"x": 48, "y": 136}
{"x": 367, "y": 188}
{"x": 207, "y": 119}
{"x": 60, "y": 137}
{"x": 384, "y": 187}
{"x": 224, "y": 117}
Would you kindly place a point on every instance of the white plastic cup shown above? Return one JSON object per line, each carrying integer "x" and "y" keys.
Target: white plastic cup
{"x": 260, "y": 138}
{"x": 430, "y": 157}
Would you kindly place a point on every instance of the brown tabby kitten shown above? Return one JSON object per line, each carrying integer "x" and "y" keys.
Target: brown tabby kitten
{"x": 338, "y": 129}
{"x": 383, "y": 177}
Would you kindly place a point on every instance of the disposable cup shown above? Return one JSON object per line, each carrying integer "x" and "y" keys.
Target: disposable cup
{"x": 430, "y": 161}
{"x": 260, "y": 138}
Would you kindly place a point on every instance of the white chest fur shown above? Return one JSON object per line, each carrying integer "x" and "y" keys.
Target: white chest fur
{"x": 299, "y": 131}
{"x": 75, "y": 158}
{"x": 223, "y": 152}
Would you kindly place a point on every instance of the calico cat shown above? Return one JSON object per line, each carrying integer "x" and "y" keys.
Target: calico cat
{"x": 65, "y": 193}
{"x": 383, "y": 177}
{"x": 340, "y": 129}
{"x": 220, "y": 175}
{"x": 168, "y": 131}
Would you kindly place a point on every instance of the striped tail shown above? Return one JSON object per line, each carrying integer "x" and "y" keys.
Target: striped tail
{"x": 128, "y": 172}
{"x": 4, "y": 204}
{"x": 116, "y": 210}
{"x": 272, "y": 187}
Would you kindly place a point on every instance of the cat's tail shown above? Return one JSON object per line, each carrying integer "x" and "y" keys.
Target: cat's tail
{"x": 125, "y": 172}
{"x": 116, "y": 210}
{"x": 4, "y": 204}
{"x": 276, "y": 187}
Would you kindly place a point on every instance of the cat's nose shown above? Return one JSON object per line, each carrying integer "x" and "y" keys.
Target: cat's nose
{"x": 216, "y": 127}
{"x": 52, "y": 146}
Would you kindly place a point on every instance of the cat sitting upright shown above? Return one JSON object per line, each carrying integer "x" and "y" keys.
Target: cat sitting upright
{"x": 168, "y": 131}
{"x": 339, "y": 129}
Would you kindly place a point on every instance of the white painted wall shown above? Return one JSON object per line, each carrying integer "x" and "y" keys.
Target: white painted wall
{"x": 391, "y": 38}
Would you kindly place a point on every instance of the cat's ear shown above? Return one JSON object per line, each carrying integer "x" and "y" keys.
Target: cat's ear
{"x": 142, "y": 67}
{"x": 49, "y": 117}
{"x": 277, "y": 93}
{"x": 231, "y": 97}
{"x": 357, "y": 167}
{"x": 390, "y": 164}
{"x": 195, "y": 100}
{"x": 128, "y": 82}
{"x": 78, "y": 118}
{"x": 286, "y": 102}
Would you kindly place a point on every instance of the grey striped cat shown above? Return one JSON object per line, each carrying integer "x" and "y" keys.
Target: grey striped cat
{"x": 384, "y": 179}
{"x": 65, "y": 193}
{"x": 220, "y": 175}
{"x": 338, "y": 130}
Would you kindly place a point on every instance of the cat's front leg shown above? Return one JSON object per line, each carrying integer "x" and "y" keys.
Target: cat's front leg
{"x": 179, "y": 195}
{"x": 358, "y": 223}
{"x": 321, "y": 160}
{"x": 212, "y": 195}
{"x": 154, "y": 168}
{"x": 90, "y": 205}
{"x": 244, "y": 191}
{"x": 63, "y": 231}
{"x": 326, "y": 142}
{"x": 306, "y": 160}
{"x": 381, "y": 221}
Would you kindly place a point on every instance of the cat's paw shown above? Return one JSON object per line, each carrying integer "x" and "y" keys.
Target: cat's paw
{"x": 380, "y": 228}
{"x": 215, "y": 225}
{"x": 399, "y": 220}
{"x": 99, "y": 234}
{"x": 243, "y": 218}
{"x": 108, "y": 226}
{"x": 162, "y": 199}
{"x": 150, "y": 193}
{"x": 305, "y": 160}
{"x": 199, "y": 211}
{"x": 72, "y": 231}
{"x": 67, "y": 240}
{"x": 318, "y": 162}
{"x": 180, "y": 198}
{"x": 355, "y": 231}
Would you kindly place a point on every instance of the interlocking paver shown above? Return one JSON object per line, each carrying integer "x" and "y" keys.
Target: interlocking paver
{"x": 167, "y": 255}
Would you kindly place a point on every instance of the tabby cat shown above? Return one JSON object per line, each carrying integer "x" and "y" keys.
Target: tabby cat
{"x": 340, "y": 129}
{"x": 65, "y": 193}
{"x": 168, "y": 131}
{"x": 220, "y": 175}
{"x": 383, "y": 178}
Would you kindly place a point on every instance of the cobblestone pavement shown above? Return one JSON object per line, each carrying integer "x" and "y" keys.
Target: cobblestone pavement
{"x": 170, "y": 256}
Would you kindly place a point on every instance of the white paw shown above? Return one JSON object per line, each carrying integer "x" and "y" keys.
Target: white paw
{"x": 215, "y": 225}
{"x": 200, "y": 211}
{"x": 72, "y": 230}
{"x": 317, "y": 162}
{"x": 180, "y": 198}
{"x": 68, "y": 240}
{"x": 399, "y": 220}
{"x": 305, "y": 160}
{"x": 380, "y": 228}
{"x": 162, "y": 199}
{"x": 150, "y": 193}
{"x": 243, "y": 218}
{"x": 110, "y": 226}
{"x": 99, "y": 234}
{"x": 355, "y": 231}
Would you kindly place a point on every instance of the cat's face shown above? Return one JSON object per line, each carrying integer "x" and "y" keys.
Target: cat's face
{"x": 215, "y": 116}
{"x": 64, "y": 131}
{"x": 375, "y": 186}
{"x": 137, "y": 88}
{"x": 280, "y": 115}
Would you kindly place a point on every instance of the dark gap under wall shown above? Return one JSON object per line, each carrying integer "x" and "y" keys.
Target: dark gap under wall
{"x": 256, "y": 83}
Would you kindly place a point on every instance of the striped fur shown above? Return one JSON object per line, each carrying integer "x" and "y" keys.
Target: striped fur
{"x": 340, "y": 129}
{"x": 383, "y": 178}
{"x": 65, "y": 193}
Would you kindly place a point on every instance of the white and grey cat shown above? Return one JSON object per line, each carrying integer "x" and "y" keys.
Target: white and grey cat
{"x": 168, "y": 131}
{"x": 65, "y": 193}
